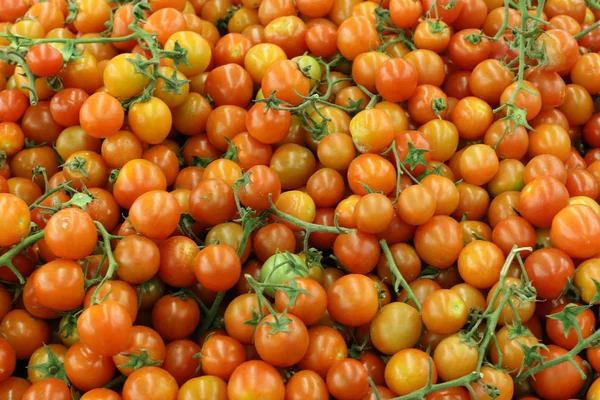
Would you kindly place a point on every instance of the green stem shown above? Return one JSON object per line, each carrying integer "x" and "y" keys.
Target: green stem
{"x": 210, "y": 316}
{"x": 112, "y": 263}
{"x": 6, "y": 258}
{"x": 399, "y": 281}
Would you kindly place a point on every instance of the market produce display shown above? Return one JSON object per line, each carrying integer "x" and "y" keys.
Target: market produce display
{"x": 299, "y": 199}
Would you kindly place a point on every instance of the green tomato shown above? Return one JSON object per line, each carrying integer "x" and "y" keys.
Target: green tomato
{"x": 311, "y": 68}
{"x": 280, "y": 268}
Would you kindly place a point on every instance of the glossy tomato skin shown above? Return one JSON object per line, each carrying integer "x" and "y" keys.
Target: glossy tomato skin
{"x": 150, "y": 383}
{"x": 255, "y": 378}
{"x": 565, "y": 374}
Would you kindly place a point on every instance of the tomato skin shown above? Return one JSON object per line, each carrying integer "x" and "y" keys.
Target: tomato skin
{"x": 283, "y": 348}
{"x": 71, "y": 234}
{"x": 207, "y": 386}
{"x": 44, "y": 60}
{"x": 409, "y": 370}
{"x": 347, "y": 380}
{"x": 229, "y": 84}
{"x": 439, "y": 229}
{"x": 255, "y": 379}
{"x": 311, "y": 307}
{"x": 351, "y": 247}
{"x": 576, "y": 230}
{"x": 16, "y": 219}
{"x": 199, "y": 52}
{"x": 8, "y": 360}
{"x": 150, "y": 383}
{"x": 101, "y": 115}
{"x": 444, "y": 312}
{"x": 306, "y": 384}
{"x": 268, "y": 125}
{"x": 217, "y": 267}
{"x": 544, "y": 193}
{"x": 356, "y": 35}
{"x": 179, "y": 361}
{"x": 101, "y": 394}
{"x": 24, "y": 332}
{"x": 264, "y": 187}
{"x": 555, "y": 329}
{"x": 175, "y": 318}
{"x": 284, "y": 78}
{"x": 48, "y": 388}
{"x": 390, "y": 337}
{"x": 14, "y": 387}
{"x": 58, "y": 285}
{"x": 137, "y": 177}
{"x": 325, "y": 347}
{"x": 495, "y": 378}
{"x": 150, "y": 121}
{"x": 112, "y": 320}
{"x": 561, "y": 381}
{"x": 80, "y": 360}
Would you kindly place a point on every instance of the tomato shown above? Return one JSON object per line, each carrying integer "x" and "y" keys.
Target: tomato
{"x": 522, "y": 309}
{"x": 217, "y": 267}
{"x": 44, "y": 60}
{"x": 561, "y": 48}
{"x": 255, "y": 378}
{"x": 71, "y": 234}
{"x": 409, "y": 370}
{"x": 325, "y": 346}
{"x": 347, "y": 379}
{"x": 585, "y": 319}
{"x": 444, "y": 312}
{"x": 281, "y": 267}
{"x": 352, "y": 300}
{"x": 579, "y": 240}
{"x": 137, "y": 177}
{"x": 58, "y": 285}
{"x": 203, "y": 387}
{"x": 561, "y": 380}
{"x": 496, "y": 379}
{"x": 437, "y": 230}
{"x": 388, "y": 336}
{"x": 150, "y": 121}
{"x": 281, "y": 339}
{"x": 101, "y": 394}
{"x": 150, "y": 383}
{"x": 306, "y": 384}
{"x": 356, "y": 35}
{"x": 138, "y": 258}
{"x": 24, "y": 332}
{"x": 79, "y": 360}
{"x": 175, "y": 318}
{"x": 286, "y": 81}
{"x": 241, "y": 309}
{"x": 112, "y": 320}
{"x": 198, "y": 51}
{"x": 14, "y": 387}
{"x": 16, "y": 219}
{"x": 13, "y": 105}
{"x": 48, "y": 388}
{"x": 308, "y": 307}
{"x": 8, "y": 360}
{"x": 101, "y": 115}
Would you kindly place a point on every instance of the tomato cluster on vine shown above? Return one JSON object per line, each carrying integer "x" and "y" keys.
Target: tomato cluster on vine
{"x": 291, "y": 200}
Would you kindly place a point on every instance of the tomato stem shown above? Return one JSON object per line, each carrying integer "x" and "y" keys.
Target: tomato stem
{"x": 112, "y": 263}
{"x": 6, "y": 258}
{"x": 210, "y": 316}
{"x": 399, "y": 281}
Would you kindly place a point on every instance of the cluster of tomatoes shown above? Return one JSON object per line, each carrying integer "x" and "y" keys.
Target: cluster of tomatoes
{"x": 299, "y": 200}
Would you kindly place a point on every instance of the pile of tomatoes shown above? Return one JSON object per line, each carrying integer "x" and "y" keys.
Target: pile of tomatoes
{"x": 299, "y": 199}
